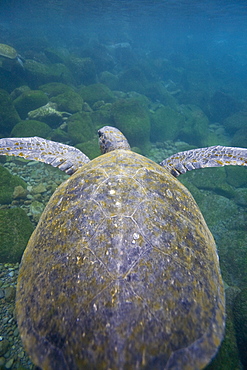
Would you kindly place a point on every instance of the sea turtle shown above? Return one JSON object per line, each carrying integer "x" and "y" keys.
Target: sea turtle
{"x": 122, "y": 271}
{"x": 9, "y": 57}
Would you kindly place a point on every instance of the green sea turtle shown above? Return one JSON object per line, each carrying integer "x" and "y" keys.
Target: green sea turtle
{"x": 122, "y": 271}
{"x": 9, "y": 57}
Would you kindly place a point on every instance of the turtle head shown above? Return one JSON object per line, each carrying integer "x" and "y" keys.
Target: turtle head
{"x": 110, "y": 138}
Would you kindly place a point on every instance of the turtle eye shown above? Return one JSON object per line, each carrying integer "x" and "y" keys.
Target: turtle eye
{"x": 100, "y": 133}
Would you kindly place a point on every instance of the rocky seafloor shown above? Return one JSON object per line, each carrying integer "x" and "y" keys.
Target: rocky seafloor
{"x": 43, "y": 180}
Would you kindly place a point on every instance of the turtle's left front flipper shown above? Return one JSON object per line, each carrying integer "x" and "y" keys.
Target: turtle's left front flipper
{"x": 213, "y": 156}
{"x": 65, "y": 157}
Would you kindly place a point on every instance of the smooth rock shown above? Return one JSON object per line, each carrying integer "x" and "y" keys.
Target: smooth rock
{"x": 9, "y": 293}
{"x": 41, "y": 188}
{"x": 4, "y": 345}
{"x": 9, "y": 363}
{"x": 19, "y": 192}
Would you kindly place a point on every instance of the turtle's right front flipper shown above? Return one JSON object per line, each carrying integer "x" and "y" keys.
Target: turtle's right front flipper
{"x": 64, "y": 157}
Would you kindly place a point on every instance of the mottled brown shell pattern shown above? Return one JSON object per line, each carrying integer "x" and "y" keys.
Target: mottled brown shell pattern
{"x": 121, "y": 273}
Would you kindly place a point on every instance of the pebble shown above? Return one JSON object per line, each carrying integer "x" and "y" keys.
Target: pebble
{"x": 41, "y": 179}
{"x": 19, "y": 192}
{"x": 12, "y": 354}
{"x": 36, "y": 209}
{"x": 9, "y": 293}
{"x": 4, "y": 345}
{"x": 9, "y": 364}
{"x": 41, "y": 188}
{"x": 2, "y": 361}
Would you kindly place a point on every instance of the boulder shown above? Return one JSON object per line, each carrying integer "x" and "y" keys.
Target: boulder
{"x": 69, "y": 101}
{"x": 28, "y": 101}
{"x": 39, "y": 73}
{"x": 240, "y": 319}
{"x": 29, "y": 128}
{"x": 83, "y": 70}
{"x": 222, "y": 106}
{"x": 93, "y": 93}
{"x": 8, "y": 114}
{"x": 55, "y": 88}
{"x": 8, "y": 183}
{"x": 80, "y": 127}
{"x": 48, "y": 114}
{"x": 195, "y": 129}
{"x": 15, "y": 231}
{"x": 90, "y": 148}
{"x": 166, "y": 124}
{"x": 131, "y": 117}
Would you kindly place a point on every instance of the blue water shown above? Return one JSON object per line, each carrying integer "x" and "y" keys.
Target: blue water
{"x": 211, "y": 28}
{"x": 195, "y": 50}
{"x": 214, "y": 30}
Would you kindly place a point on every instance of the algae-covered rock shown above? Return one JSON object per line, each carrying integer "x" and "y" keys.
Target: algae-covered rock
{"x": 240, "y": 138}
{"x": 57, "y": 55}
{"x": 240, "y": 319}
{"x": 236, "y": 122}
{"x": 200, "y": 98}
{"x": 227, "y": 222}
{"x": 217, "y": 208}
{"x": 59, "y": 135}
{"x": 18, "y": 91}
{"x": 83, "y": 70}
{"x": 232, "y": 246}
{"x": 172, "y": 69}
{"x": 48, "y": 114}
{"x": 4, "y": 346}
{"x": 213, "y": 179}
{"x": 132, "y": 118}
{"x": 90, "y": 148}
{"x": 29, "y": 128}
{"x": 55, "y": 88}
{"x": 236, "y": 176}
{"x": 69, "y": 101}
{"x": 80, "y": 127}
{"x": 19, "y": 192}
{"x": 102, "y": 116}
{"x": 133, "y": 79}
{"x": 196, "y": 74}
{"x": 197, "y": 193}
{"x": 8, "y": 114}
{"x": 92, "y": 93}
{"x": 9, "y": 81}
{"x": 110, "y": 80}
{"x": 38, "y": 73}
{"x": 165, "y": 124}
{"x": 195, "y": 130}
{"x": 222, "y": 106}
{"x": 228, "y": 357}
{"x": 8, "y": 183}
{"x": 241, "y": 197}
{"x": 36, "y": 210}
{"x": 30, "y": 100}
{"x": 156, "y": 91}
{"x": 15, "y": 231}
